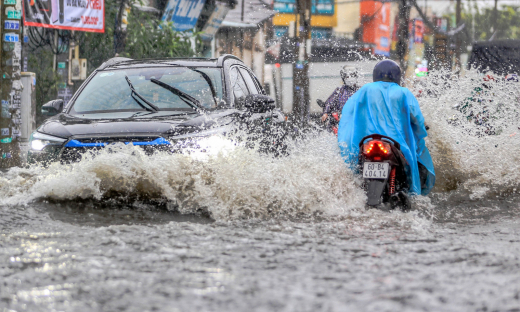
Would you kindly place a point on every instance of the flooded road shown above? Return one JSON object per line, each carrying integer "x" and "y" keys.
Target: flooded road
{"x": 75, "y": 257}
{"x": 242, "y": 231}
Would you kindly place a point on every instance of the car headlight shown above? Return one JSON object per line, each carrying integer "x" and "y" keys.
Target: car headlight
{"x": 202, "y": 144}
{"x": 39, "y": 141}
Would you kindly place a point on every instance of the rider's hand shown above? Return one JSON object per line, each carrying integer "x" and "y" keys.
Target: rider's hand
{"x": 324, "y": 117}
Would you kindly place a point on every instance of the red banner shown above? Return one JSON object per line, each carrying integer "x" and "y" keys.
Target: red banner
{"x": 80, "y": 15}
{"x": 375, "y": 17}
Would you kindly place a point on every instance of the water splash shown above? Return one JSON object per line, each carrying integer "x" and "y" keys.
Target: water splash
{"x": 312, "y": 180}
{"x": 240, "y": 183}
{"x": 474, "y": 132}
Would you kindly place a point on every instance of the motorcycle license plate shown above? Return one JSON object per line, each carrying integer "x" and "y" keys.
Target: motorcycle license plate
{"x": 375, "y": 170}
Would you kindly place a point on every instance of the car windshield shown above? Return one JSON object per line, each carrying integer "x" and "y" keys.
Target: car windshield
{"x": 109, "y": 90}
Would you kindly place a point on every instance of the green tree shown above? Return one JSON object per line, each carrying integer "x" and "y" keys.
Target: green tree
{"x": 146, "y": 37}
{"x": 508, "y": 22}
{"x": 47, "y": 79}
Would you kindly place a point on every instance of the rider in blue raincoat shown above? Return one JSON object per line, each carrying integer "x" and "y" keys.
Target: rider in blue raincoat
{"x": 383, "y": 107}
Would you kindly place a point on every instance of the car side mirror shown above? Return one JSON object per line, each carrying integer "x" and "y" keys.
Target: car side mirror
{"x": 258, "y": 103}
{"x": 52, "y": 108}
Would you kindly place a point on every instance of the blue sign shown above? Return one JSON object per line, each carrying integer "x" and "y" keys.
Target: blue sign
{"x": 11, "y": 25}
{"x": 319, "y": 7}
{"x": 10, "y": 37}
{"x": 183, "y": 13}
{"x": 5, "y": 109}
{"x": 384, "y": 42}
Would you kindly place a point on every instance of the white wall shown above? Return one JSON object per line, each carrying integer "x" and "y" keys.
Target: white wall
{"x": 324, "y": 78}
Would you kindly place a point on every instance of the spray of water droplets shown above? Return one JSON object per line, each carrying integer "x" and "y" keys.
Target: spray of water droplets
{"x": 234, "y": 183}
{"x": 473, "y": 138}
{"x": 474, "y": 134}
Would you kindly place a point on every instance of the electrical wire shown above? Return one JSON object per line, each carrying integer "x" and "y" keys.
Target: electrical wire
{"x": 40, "y": 38}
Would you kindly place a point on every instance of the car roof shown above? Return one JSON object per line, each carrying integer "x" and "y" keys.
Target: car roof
{"x": 123, "y": 62}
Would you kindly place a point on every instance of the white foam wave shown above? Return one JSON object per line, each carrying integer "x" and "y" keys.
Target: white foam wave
{"x": 238, "y": 183}
{"x": 474, "y": 132}
{"x": 243, "y": 183}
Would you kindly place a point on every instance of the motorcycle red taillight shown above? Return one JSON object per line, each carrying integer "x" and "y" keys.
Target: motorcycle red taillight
{"x": 376, "y": 149}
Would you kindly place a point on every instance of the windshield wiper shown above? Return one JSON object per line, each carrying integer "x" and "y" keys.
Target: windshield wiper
{"x": 206, "y": 77}
{"x": 183, "y": 95}
{"x": 154, "y": 108}
{"x": 210, "y": 84}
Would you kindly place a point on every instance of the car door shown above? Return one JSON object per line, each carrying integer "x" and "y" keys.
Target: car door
{"x": 250, "y": 81}
{"x": 239, "y": 88}
{"x": 270, "y": 123}
{"x": 254, "y": 88}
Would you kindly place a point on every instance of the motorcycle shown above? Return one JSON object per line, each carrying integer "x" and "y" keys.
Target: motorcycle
{"x": 383, "y": 167}
{"x": 332, "y": 120}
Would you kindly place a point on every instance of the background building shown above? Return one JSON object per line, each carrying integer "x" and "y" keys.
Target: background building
{"x": 243, "y": 33}
{"x": 323, "y": 19}
{"x": 348, "y": 20}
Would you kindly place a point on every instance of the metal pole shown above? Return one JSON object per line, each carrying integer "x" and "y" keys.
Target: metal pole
{"x": 118, "y": 29}
{"x": 402, "y": 44}
{"x": 56, "y": 46}
{"x": 495, "y": 19}
{"x": 301, "y": 98}
{"x": 10, "y": 84}
{"x": 473, "y": 11}
{"x": 458, "y": 38}
{"x": 242, "y": 12}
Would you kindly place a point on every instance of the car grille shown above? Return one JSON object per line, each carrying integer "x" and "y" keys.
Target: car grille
{"x": 74, "y": 150}
{"x": 110, "y": 140}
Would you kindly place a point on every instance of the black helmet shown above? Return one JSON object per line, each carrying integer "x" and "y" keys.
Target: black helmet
{"x": 387, "y": 70}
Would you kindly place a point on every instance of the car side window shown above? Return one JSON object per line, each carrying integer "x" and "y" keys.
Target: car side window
{"x": 238, "y": 86}
{"x": 253, "y": 89}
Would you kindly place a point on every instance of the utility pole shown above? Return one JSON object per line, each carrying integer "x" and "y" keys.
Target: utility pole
{"x": 403, "y": 35}
{"x": 458, "y": 37}
{"x": 301, "y": 98}
{"x": 10, "y": 83}
{"x": 120, "y": 28}
{"x": 495, "y": 19}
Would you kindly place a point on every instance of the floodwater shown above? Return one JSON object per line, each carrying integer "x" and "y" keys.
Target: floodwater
{"x": 242, "y": 231}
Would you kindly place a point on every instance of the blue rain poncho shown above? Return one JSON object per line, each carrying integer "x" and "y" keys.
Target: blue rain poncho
{"x": 386, "y": 108}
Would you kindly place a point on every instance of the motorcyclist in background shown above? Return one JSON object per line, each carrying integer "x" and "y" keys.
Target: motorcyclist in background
{"x": 384, "y": 107}
{"x": 337, "y": 99}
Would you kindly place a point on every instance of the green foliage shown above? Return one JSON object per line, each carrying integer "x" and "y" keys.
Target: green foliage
{"x": 508, "y": 22}
{"x": 98, "y": 47}
{"x": 47, "y": 79}
{"x": 151, "y": 39}
{"x": 145, "y": 38}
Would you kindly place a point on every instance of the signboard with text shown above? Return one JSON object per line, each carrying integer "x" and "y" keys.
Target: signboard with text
{"x": 13, "y": 14}
{"x": 11, "y": 25}
{"x": 10, "y": 37}
{"x": 376, "y": 30}
{"x": 215, "y": 20}
{"x": 80, "y": 15}
{"x": 183, "y": 13}
{"x": 319, "y": 7}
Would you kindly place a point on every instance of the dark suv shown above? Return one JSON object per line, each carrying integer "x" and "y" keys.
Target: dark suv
{"x": 156, "y": 104}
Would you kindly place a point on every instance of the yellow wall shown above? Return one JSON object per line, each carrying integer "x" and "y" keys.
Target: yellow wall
{"x": 348, "y": 17}
{"x": 283, "y": 19}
